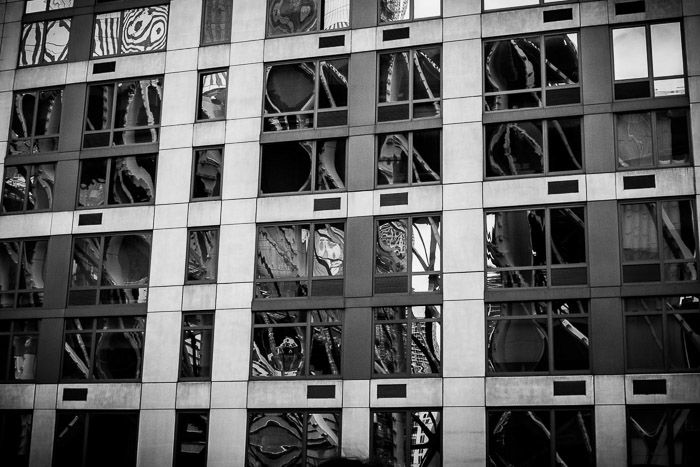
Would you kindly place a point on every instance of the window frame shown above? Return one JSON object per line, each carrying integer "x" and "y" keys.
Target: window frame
{"x": 202, "y": 42}
{"x": 314, "y": 113}
{"x": 409, "y": 156}
{"x": 215, "y": 271}
{"x": 108, "y": 182}
{"x": 195, "y": 151}
{"x": 318, "y": 30}
{"x": 44, "y": 30}
{"x": 546, "y": 156}
{"x": 28, "y": 186}
{"x": 549, "y": 265}
{"x": 309, "y": 279}
{"x": 112, "y": 130}
{"x": 194, "y": 329}
{"x": 35, "y": 114}
{"x": 119, "y": 39}
{"x": 411, "y": 101}
{"x": 200, "y": 85}
{"x": 543, "y": 89}
{"x": 177, "y": 442}
{"x": 408, "y": 442}
{"x": 649, "y": 59}
{"x": 412, "y": 17}
{"x": 16, "y": 291}
{"x": 654, "y": 137}
{"x": 94, "y": 333}
{"x": 12, "y": 334}
{"x": 661, "y": 261}
{"x": 550, "y": 319}
{"x": 308, "y": 326}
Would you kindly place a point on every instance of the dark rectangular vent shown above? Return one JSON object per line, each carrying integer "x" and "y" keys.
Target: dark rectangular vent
{"x": 649, "y": 386}
{"x": 90, "y": 219}
{"x": 327, "y": 288}
{"x": 75, "y": 394}
{"x": 569, "y": 388}
{"x": 561, "y": 14}
{"x": 391, "y": 284}
{"x": 82, "y": 297}
{"x": 320, "y": 392}
{"x": 104, "y": 67}
{"x": 636, "y": 182}
{"x": 393, "y": 199}
{"x": 389, "y": 113}
{"x": 396, "y": 34}
{"x": 564, "y": 96}
{"x": 333, "y": 118}
{"x": 641, "y": 273}
{"x": 326, "y": 204}
{"x": 632, "y": 90}
{"x": 569, "y": 276}
{"x": 331, "y": 41}
{"x": 563, "y": 186}
{"x": 629, "y": 8}
{"x": 389, "y": 391}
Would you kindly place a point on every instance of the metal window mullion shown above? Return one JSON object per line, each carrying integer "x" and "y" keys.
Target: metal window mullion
{"x": 545, "y": 145}
{"x": 32, "y": 133}
{"x": 659, "y": 237}
{"x": 310, "y": 252}
{"x": 411, "y": 72}
{"x": 312, "y": 188}
{"x": 550, "y": 337}
{"x": 548, "y": 247}
{"x": 409, "y": 252}
{"x": 317, "y": 79}
{"x": 99, "y": 272}
{"x": 113, "y": 117}
{"x": 304, "y": 435}
{"x": 409, "y": 178}
{"x": 91, "y": 363}
{"x": 654, "y": 135}
{"x": 650, "y": 67}
{"x": 86, "y": 421}
{"x": 543, "y": 72}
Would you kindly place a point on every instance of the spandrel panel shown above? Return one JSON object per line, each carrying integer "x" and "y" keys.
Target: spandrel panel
{"x": 679, "y": 230}
{"x": 564, "y": 145}
{"x": 207, "y": 173}
{"x": 513, "y": 64}
{"x": 329, "y": 250}
{"x": 672, "y": 138}
{"x": 425, "y": 347}
{"x": 126, "y": 260}
{"x": 426, "y": 74}
{"x": 275, "y": 439}
{"x": 56, "y": 43}
{"x": 630, "y": 53}
{"x": 394, "y": 77}
{"x": 282, "y": 251}
{"x": 392, "y": 162}
{"x": 105, "y": 41}
{"x": 391, "y": 249}
{"x": 330, "y": 164}
{"x": 93, "y": 183}
{"x": 132, "y": 179}
{"x": 14, "y": 189}
{"x": 426, "y": 247}
{"x": 516, "y": 238}
{"x": 217, "y": 21}
{"x": 514, "y": 148}
{"x": 213, "y": 89}
{"x": 634, "y": 140}
{"x": 290, "y": 88}
{"x": 203, "y": 254}
{"x": 292, "y": 16}
{"x": 390, "y": 348}
{"x": 325, "y": 350}
{"x": 426, "y": 156}
{"x": 333, "y": 84}
{"x": 144, "y": 29}
{"x": 568, "y": 232}
{"x": 293, "y": 159}
{"x": 282, "y": 289}
{"x": 518, "y": 345}
{"x": 519, "y": 438}
{"x": 561, "y": 59}
{"x": 493, "y": 4}
{"x": 322, "y": 438}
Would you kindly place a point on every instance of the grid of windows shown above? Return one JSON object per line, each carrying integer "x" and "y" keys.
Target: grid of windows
{"x": 132, "y": 31}
{"x": 117, "y": 181}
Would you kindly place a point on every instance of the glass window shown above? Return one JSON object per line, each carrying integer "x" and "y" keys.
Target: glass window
{"x": 534, "y": 147}
{"x": 499, "y": 4}
{"x": 28, "y": 188}
{"x": 18, "y": 350}
{"x": 541, "y": 436}
{"x": 34, "y": 6}
{"x": 395, "y": 167}
{"x": 192, "y": 428}
{"x": 197, "y": 343}
{"x": 653, "y": 139}
{"x": 110, "y": 269}
{"x": 547, "y": 337}
{"x": 216, "y": 25}
{"x": 36, "y": 121}
{"x": 663, "y": 435}
{"x": 531, "y": 71}
{"x": 299, "y": 260}
{"x": 303, "y": 166}
{"x": 130, "y": 31}
{"x": 661, "y": 333}
{"x": 85, "y": 439}
{"x": 202, "y": 255}
{"x": 537, "y": 247}
{"x": 303, "y": 343}
{"x": 103, "y": 348}
{"x": 311, "y": 94}
{"x": 208, "y": 171}
{"x": 44, "y": 42}
{"x": 213, "y": 89}
{"x": 407, "y": 437}
{"x": 400, "y": 269}
{"x": 15, "y": 437}
{"x": 22, "y": 273}
{"x": 299, "y": 16}
{"x": 296, "y": 437}
{"x": 409, "y": 84}
{"x": 123, "y": 113}
{"x": 648, "y": 61}
{"x": 406, "y": 10}
{"x": 659, "y": 241}
{"x": 117, "y": 181}
{"x": 407, "y": 340}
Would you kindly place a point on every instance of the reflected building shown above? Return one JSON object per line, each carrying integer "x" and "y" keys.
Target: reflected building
{"x": 274, "y": 232}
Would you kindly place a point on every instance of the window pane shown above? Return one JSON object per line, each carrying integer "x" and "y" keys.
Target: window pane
{"x": 672, "y": 137}
{"x": 144, "y": 29}
{"x": 191, "y": 439}
{"x": 93, "y": 183}
{"x": 57, "y": 36}
{"x": 196, "y": 356}
{"x": 647, "y": 436}
{"x": 645, "y": 347}
{"x": 392, "y": 162}
{"x": 282, "y": 251}
{"x": 292, "y": 16}
{"x": 87, "y": 258}
{"x": 512, "y": 64}
{"x": 426, "y": 74}
{"x": 69, "y": 438}
{"x": 392, "y": 10}
{"x": 425, "y": 439}
{"x": 519, "y": 437}
{"x": 514, "y": 148}
{"x": 112, "y": 439}
{"x": 565, "y": 148}
{"x": 426, "y": 8}
{"x": 561, "y": 59}
{"x": 333, "y": 84}
{"x": 48, "y": 118}
{"x": 425, "y": 347}
{"x": 275, "y": 438}
{"x": 77, "y": 355}
{"x": 217, "y": 21}
{"x": 639, "y": 232}
{"x": 336, "y": 14}
{"x": 14, "y": 189}
{"x": 634, "y": 140}
{"x": 322, "y": 437}
{"x": 678, "y": 228}
{"x": 23, "y": 115}
{"x": 207, "y": 173}
{"x": 32, "y": 43}
{"x": 570, "y": 343}
{"x": 573, "y": 438}
{"x": 132, "y": 180}
{"x": 568, "y": 235}
{"x": 138, "y": 104}
{"x": 31, "y": 275}
{"x": 683, "y": 342}
{"x": 325, "y": 350}
{"x": 119, "y": 355}
{"x": 686, "y": 431}
{"x": 329, "y": 248}
{"x": 286, "y": 167}
{"x": 106, "y": 35}
{"x": 290, "y": 88}
{"x": 666, "y": 49}
{"x": 630, "y": 53}
{"x": 126, "y": 260}
{"x": 33, "y": 6}
{"x": 394, "y": 77}
{"x": 15, "y": 437}
{"x": 390, "y": 349}
{"x": 516, "y": 238}
{"x": 24, "y": 351}
{"x": 391, "y": 253}
{"x": 669, "y": 87}
{"x": 389, "y": 432}
{"x": 425, "y": 237}
{"x": 99, "y": 108}
{"x": 330, "y": 164}
{"x": 41, "y": 183}
{"x": 213, "y": 89}
{"x": 202, "y": 255}
{"x": 518, "y": 345}
{"x": 426, "y": 156}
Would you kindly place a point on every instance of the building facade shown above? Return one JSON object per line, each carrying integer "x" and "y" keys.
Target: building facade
{"x": 457, "y": 232}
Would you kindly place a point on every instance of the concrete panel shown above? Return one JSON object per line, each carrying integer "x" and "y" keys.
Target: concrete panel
{"x": 172, "y": 137}
{"x": 242, "y": 130}
{"x": 204, "y": 213}
{"x": 162, "y": 348}
{"x": 460, "y": 7}
{"x": 679, "y": 181}
{"x": 609, "y": 389}
{"x": 237, "y": 253}
{"x": 464, "y": 437}
{"x": 508, "y": 22}
{"x": 462, "y": 69}
{"x": 681, "y": 389}
{"x": 6, "y": 80}
{"x": 193, "y": 395}
{"x": 41, "y": 444}
{"x": 363, "y": 39}
{"x": 27, "y": 225}
{"x": 238, "y": 211}
{"x": 463, "y": 392}
{"x": 173, "y": 177}
{"x": 249, "y": 20}
{"x": 462, "y": 153}
{"x": 425, "y": 392}
{"x": 199, "y": 297}
{"x": 40, "y": 76}
{"x": 301, "y": 207}
{"x": 240, "y": 178}
{"x": 594, "y": 13}
{"x": 184, "y": 24}
{"x": 129, "y": 66}
{"x": 462, "y": 110}
{"x": 243, "y": 53}
{"x": 420, "y": 199}
{"x": 232, "y": 332}
{"x": 459, "y": 231}
{"x": 534, "y": 390}
{"x": 164, "y": 298}
{"x": 356, "y": 393}
{"x": 600, "y": 187}
{"x": 62, "y": 223}
{"x": 462, "y": 27}
{"x": 168, "y": 253}
{"x": 610, "y": 435}
{"x": 169, "y": 216}
{"x": 360, "y": 203}
{"x": 45, "y": 396}
{"x": 17, "y": 396}
{"x": 209, "y": 133}
{"x": 247, "y": 82}
{"x": 126, "y": 218}
{"x": 524, "y": 191}
{"x": 10, "y": 45}
{"x": 214, "y": 56}
{"x": 421, "y": 33}
{"x": 302, "y": 46}
{"x": 287, "y": 394}
{"x": 77, "y": 72}
{"x": 103, "y": 396}
{"x": 180, "y": 60}
{"x": 237, "y": 295}
{"x": 691, "y": 29}
{"x": 458, "y": 196}
{"x": 229, "y": 395}
{"x": 356, "y": 433}
{"x": 464, "y": 346}
{"x": 180, "y": 98}
{"x": 156, "y": 436}
{"x": 228, "y": 430}
{"x": 6, "y": 103}
{"x": 158, "y": 396}
{"x": 463, "y": 286}
{"x": 599, "y": 143}
{"x": 360, "y": 163}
